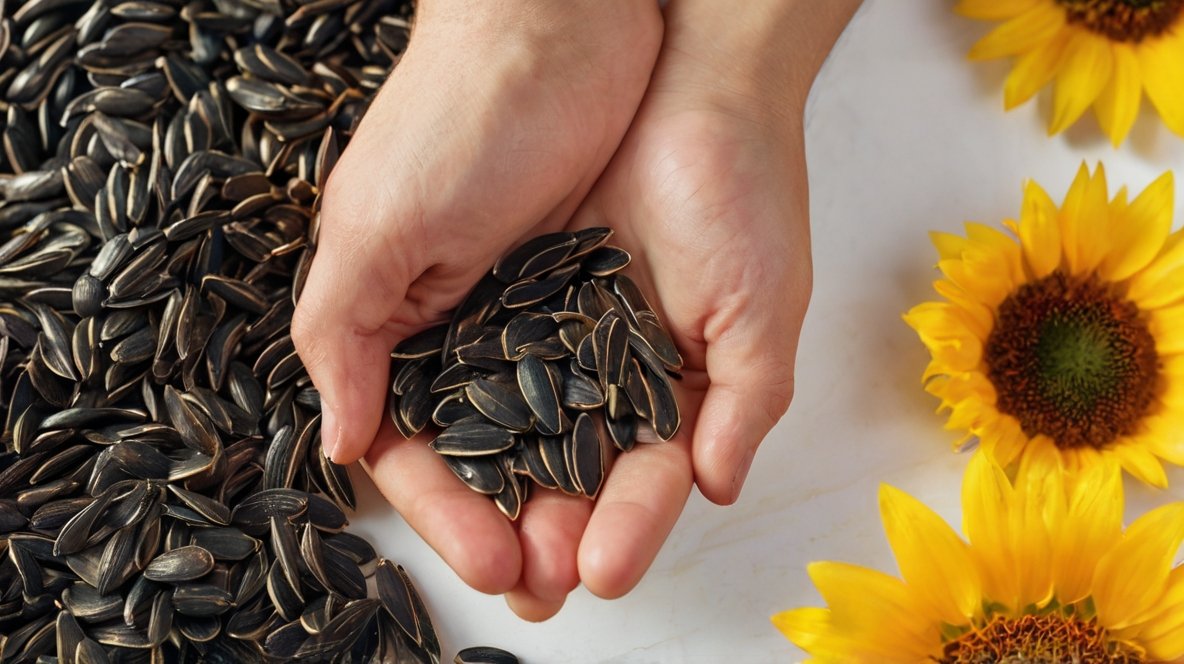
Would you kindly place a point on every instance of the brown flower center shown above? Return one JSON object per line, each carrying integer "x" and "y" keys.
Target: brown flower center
{"x": 1073, "y": 360}
{"x": 1124, "y": 20}
{"x": 1050, "y": 639}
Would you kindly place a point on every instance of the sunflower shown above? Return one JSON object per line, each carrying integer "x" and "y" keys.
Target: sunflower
{"x": 1047, "y": 575}
{"x": 1103, "y": 53}
{"x": 1067, "y": 335}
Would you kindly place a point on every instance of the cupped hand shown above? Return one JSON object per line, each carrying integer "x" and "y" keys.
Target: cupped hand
{"x": 708, "y": 192}
{"x": 494, "y": 126}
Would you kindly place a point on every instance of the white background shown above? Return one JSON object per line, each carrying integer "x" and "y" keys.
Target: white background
{"x": 904, "y": 135}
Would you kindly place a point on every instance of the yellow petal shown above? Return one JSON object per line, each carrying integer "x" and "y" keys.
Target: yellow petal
{"x": 1141, "y": 463}
{"x": 1164, "y": 431}
{"x": 933, "y": 560}
{"x": 1167, "y": 326}
{"x": 1163, "y": 633}
{"x": 873, "y": 609}
{"x": 949, "y": 246}
{"x": 1004, "y": 439}
{"x": 811, "y": 630}
{"x": 1161, "y": 62}
{"x": 991, "y": 248}
{"x": 1040, "y": 236}
{"x": 1021, "y": 34}
{"x": 945, "y": 331}
{"x": 989, "y": 285}
{"x": 979, "y": 318}
{"x": 1089, "y": 528}
{"x": 993, "y": 10}
{"x": 1139, "y": 234}
{"x": 1084, "y": 220}
{"x": 1132, "y": 576}
{"x": 1118, "y": 104}
{"x": 1162, "y": 282}
{"x": 987, "y": 503}
{"x": 1033, "y": 71}
{"x": 1085, "y": 71}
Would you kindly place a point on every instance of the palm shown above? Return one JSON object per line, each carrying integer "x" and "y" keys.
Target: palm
{"x": 695, "y": 197}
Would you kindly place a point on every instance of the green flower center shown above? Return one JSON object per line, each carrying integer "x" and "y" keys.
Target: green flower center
{"x": 1050, "y": 639}
{"x": 1124, "y": 20}
{"x": 1073, "y": 360}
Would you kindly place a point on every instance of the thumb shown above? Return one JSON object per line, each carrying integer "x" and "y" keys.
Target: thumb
{"x": 343, "y": 326}
{"x": 750, "y": 366}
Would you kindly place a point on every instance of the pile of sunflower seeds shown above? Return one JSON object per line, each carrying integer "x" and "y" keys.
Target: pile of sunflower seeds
{"x": 551, "y": 354}
{"x": 163, "y": 495}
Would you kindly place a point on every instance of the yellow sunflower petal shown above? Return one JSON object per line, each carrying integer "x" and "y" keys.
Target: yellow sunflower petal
{"x": 946, "y": 331}
{"x": 1084, "y": 219}
{"x": 1088, "y": 528}
{"x": 933, "y": 560}
{"x": 1141, "y": 463}
{"x": 811, "y": 630}
{"x": 986, "y": 501}
{"x": 1118, "y": 104}
{"x": 1162, "y": 282}
{"x": 1163, "y": 633}
{"x": 979, "y": 318}
{"x": 1163, "y": 434}
{"x": 1085, "y": 72}
{"x": 1142, "y": 230}
{"x": 1033, "y": 71}
{"x": 873, "y": 609}
{"x": 1120, "y": 202}
{"x": 1132, "y": 575}
{"x": 1162, "y": 64}
{"x": 994, "y": 10}
{"x": 949, "y": 246}
{"x": 1003, "y": 438}
{"x": 1167, "y": 326}
{"x": 1040, "y": 235}
{"x": 1021, "y": 34}
{"x": 993, "y": 249}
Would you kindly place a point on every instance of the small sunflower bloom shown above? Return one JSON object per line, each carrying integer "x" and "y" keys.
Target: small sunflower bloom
{"x": 1046, "y": 573}
{"x": 1100, "y": 53}
{"x": 1066, "y": 334}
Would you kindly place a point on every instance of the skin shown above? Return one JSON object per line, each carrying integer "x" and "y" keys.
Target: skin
{"x": 706, "y": 188}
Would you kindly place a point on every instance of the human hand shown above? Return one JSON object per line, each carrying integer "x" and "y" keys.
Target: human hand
{"x": 495, "y": 124}
{"x": 708, "y": 192}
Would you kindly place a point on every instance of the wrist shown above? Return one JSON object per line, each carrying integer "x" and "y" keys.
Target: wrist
{"x": 759, "y": 55}
{"x": 553, "y": 31}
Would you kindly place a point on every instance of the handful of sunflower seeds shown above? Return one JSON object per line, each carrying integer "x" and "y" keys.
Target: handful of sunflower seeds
{"x": 163, "y": 494}
{"x": 551, "y": 354}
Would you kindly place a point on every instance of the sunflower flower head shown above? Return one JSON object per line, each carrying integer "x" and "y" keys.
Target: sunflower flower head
{"x": 1066, "y": 334}
{"x": 1100, "y": 53}
{"x": 1046, "y": 573}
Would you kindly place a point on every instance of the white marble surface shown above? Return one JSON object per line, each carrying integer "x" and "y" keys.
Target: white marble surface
{"x": 904, "y": 135}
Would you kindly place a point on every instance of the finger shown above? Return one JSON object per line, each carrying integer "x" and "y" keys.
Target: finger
{"x": 549, "y": 531}
{"x": 464, "y": 527}
{"x": 342, "y": 324}
{"x": 751, "y": 367}
{"x": 529, "y": 607}
{"x": 638, "y": 505}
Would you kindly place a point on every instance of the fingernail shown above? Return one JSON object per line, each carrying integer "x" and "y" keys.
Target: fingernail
{"x": 329, "y": 432}
{"x": 742, "y": 474}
